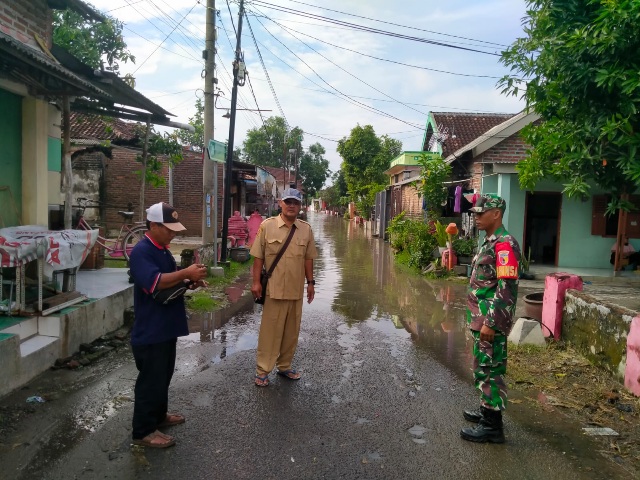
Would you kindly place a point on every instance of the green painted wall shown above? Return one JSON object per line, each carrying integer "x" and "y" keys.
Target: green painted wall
{"x": 11, "y": 158}
{"x": 578, "y": 248}
{"x": 54, "y": 154}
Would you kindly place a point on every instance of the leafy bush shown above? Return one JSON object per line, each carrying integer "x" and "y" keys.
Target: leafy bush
{"x": 465, "y": 246}
{"x": 413, "y": 237}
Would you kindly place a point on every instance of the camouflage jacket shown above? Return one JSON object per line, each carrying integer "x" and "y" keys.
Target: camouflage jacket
{"x": 493, "y": 288}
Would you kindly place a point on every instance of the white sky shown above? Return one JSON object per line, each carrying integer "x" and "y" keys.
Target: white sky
{"x": 171, "y": 76}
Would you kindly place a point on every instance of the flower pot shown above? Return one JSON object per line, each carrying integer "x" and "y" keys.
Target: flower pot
{"x": 533, "y": 305}
{"x": 464, "y": 260}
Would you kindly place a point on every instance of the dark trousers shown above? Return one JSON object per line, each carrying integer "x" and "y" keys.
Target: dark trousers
{"x": 155, "y": 364}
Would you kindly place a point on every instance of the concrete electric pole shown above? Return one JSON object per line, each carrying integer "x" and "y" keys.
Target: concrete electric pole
{"x": 208, "y": 180}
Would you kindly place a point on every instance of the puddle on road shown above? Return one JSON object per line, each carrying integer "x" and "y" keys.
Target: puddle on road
{"x": 213, "y": 336}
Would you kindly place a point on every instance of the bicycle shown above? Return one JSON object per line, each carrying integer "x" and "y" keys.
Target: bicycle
{"x": 130, "y": 232}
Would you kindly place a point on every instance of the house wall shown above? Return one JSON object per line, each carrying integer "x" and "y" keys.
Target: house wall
{"x": 23, "y": 19}
{"x": 35, "y": 181}
{"x": 11, "y": 158}
{"x": 577, "y": 247}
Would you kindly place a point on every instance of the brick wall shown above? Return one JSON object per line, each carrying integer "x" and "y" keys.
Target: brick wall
{"x": 122, "y": 186}
{"x": 22, "y": 19}
{"x": 510, "y": 150}
{"x": 411, "y": 202}
{"x": 476, "y": 176}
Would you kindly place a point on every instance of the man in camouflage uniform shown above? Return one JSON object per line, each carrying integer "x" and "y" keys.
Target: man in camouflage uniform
{"x": 491, "y": 302}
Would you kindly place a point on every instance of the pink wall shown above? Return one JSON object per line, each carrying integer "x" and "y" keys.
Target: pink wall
{"x": 555, "y": 286}
{"x": 632, "y": 370}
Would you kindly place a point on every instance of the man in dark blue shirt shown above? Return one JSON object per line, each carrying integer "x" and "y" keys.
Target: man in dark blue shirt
{"x": 158, "y": 324}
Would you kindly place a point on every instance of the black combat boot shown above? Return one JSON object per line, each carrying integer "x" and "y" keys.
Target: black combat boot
{"x": 472, "y": 415}
{"x": 489, "y": 429}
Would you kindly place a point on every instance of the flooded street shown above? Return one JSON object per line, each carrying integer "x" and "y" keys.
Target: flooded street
{"x": 386, "y": 374}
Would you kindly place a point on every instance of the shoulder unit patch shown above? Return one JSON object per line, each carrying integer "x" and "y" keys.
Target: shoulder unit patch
{"x": 506, "y": 262}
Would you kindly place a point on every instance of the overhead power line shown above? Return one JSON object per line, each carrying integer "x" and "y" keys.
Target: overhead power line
{"x": 165, "y": 39}
{"x": 347, "y": 72}
{"x": 339, "y": 94}
{"x": 370, "y": 29}
{"x": 400, "y": 25}
{"x": 266, "y": 73}
{"x": 157, "y": 28}
{"x": 383, "y": 59}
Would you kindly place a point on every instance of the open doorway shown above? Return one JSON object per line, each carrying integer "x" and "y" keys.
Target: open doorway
{"x": 542, "y": 227}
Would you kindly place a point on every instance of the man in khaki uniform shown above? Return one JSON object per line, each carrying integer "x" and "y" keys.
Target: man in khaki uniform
{"x": 282, "y": 309}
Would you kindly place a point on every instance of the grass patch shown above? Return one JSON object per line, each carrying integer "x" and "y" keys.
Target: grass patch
{"x": 231, "y": 272}
{"x": 115, "y": 263}
{"x": 202, "y": 302}
{"x": 205, "y": 299}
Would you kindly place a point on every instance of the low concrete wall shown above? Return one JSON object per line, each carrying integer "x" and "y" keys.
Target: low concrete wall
{"x": 10, "y": 363}
{"x": 91, "y": 321}
{"x": 598, "y": 330}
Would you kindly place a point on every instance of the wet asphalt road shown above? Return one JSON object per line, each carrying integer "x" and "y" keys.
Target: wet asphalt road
{"x": 385, "y": 364}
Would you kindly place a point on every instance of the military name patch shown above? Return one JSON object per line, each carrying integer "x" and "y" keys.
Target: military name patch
{"x": 506, "y": 263}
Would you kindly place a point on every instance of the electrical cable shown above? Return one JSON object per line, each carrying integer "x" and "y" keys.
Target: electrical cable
{"x": 246, "y": 116}
{"x": 370, "y": 29}
{"x": 347, "y": 72}
{"x": 264, "y": 68}
{"x": 383, "y": 59}
{"x": 159, "y": 29}
{"x": 165, "y": 39}
{"x": 339, "y": 93}
{"x": 163, "y": 48}
{"x": 172, "y": 22}
{"x": 399, "y": 25}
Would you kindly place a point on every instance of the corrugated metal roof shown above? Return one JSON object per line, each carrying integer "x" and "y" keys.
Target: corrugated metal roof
{"x": 79, "y": 6}
{"x": 24, "y": 64}
{"x": 118, "y": 91}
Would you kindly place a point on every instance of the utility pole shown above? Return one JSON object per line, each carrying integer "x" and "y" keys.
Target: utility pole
{"x": 209, "y": 180}
{"x": 238, "y": 79}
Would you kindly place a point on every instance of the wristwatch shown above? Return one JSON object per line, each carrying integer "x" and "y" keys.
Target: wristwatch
{"x": 311, "y": 282}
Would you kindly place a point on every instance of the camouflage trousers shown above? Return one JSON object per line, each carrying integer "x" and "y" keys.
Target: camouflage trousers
{"x": 489, "y": 367}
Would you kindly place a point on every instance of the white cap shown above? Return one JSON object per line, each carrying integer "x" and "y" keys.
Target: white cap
{"x": 165, "y": 214}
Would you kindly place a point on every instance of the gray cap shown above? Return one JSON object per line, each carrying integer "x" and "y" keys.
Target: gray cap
{"x": 291, "y": 193}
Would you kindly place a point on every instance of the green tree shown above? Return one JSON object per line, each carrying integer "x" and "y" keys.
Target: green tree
{"x": 92, "y": 42}
{"x": 365, "y": 158}
{"x": 580, "y": 69}
{"x": 314, "y": 169}
{"x": 265, "y": 145}
{"x": 434, "y": 172}
{"x": 335, "y": 196}
{"x": 161, "y": 149}
{"x": 194, "y": 139}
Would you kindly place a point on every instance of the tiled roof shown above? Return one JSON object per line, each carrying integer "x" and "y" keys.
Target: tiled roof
{"x": 94, "y": 127}
{"x": 465, "y": 127}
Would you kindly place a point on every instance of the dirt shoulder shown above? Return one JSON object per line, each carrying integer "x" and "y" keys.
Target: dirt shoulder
{"x": 559, "y": 378}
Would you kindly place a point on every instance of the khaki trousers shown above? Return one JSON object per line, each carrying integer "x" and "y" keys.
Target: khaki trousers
{"x": 278, "y": 338}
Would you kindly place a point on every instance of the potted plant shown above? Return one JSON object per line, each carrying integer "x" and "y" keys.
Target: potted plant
{"x": 441, "y": 236}
{"x": 465, "y": 248}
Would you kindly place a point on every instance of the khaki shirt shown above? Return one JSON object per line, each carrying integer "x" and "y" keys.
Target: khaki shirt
{"x": 287, "y": 280}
